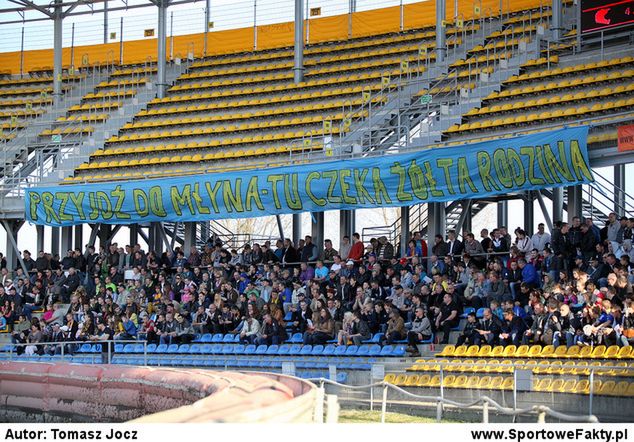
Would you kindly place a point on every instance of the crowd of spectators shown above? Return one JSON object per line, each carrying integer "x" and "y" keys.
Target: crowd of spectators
{"x": 572, "y": 286}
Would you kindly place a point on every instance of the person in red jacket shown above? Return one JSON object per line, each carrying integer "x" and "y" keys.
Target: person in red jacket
{"x": 356, "y": 252}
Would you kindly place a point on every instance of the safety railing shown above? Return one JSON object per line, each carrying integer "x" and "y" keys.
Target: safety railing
{"x": 62, "y": 348}
{"x": 539, "y": 411}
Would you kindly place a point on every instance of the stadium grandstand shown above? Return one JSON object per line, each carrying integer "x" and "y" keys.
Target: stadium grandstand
{"x": 445, "y": 111}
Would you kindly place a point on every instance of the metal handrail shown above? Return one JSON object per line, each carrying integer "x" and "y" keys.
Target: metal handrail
{"x": 540, "y": 410}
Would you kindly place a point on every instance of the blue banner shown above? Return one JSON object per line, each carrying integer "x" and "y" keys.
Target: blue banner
{"x": 545, "y": 160}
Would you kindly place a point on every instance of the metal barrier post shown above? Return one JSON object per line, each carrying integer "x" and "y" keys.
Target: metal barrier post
{"x": 109, "y": 349}
{"x": 485, "y": 412}
{"x": 384, "y": 404}
{"x": 371, "y": 398}
{"x": 439, "y": 411}
{"x": 591, "y": 390}
{"x": 145, "y": 353}
{"x": 442, "y": 381}
{"x": 541, "y": 417}
{"x": 332, "y": 409}
{"x": 319, "y": 406}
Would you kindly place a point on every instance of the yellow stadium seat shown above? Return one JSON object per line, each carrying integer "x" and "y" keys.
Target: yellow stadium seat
{"x": 389, "y": 378}
{"x": 573, "y": 352}
{"x": 624, "y": 352}
{"x": 585, "y": 352}
{"x": 423, "y": 380}
{"x": 547, "y": 351}
{"x": 560, "y": 352}
{"x": 460, "y": 351}
{"x": 509, "y": 351}
{"x": 472, "y": 351}
{"x": 412, "y": 380}
{"x": 611, "y": 352}
{"x": 497, "y": 351}
{"x": 434, "y": 381}
{"x": 485, "y": 382}
{"x": 598, "y": 352}
{"x": 484, "y": 351}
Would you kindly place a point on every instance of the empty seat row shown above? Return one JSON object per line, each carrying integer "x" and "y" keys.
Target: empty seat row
{"x": 578, "y": 368}
{"x": 537, "y": 351}
{"x": 580, "y": 111}
{"x": 549, "y": 385}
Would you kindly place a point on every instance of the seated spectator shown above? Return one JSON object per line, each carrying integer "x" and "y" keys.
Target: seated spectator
{"x": 321, "y": 330}
{"x": 395, "y": 328}
{"x": 446, "y": 317}
{"x": 488, "y": 329}
{"x": 467, "y": 337}
{"x": 420, "y": 331}
{"x": 250, "y": 330}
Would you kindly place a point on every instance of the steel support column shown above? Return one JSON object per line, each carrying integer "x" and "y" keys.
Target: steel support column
{"x": 405, "y": 230}
{"x": 436, "y": 219}
{"x": 58, "y": 20}
{"x": 162, "y": 34}
{"x": 441, "y": 13}
{"x": 13, "y": 253}
{"x": 619, "y": 186}
{"x": 347, "y": 223}
{"x": 574, "y": 202}
{"x": 54, "y": 241}
{"x": 558, "y": 204}
{"x": 134, "y": 234}
{"x": 557, "y": 20}
{"x": 529, "y": 213}
{"x": 466, "y": 213}
{"x": 207, "y": 19}
{"x": 542, "y": 205}
{"x": 317, "y": 230}
{"x": 105, "y": 21}
{"x": 67, "y": 239}
{"x": 503, "y": 213}
{"x": 79, "y": 237}
{"x": 297, "y": 228}
{"x": 280, "y": 228}
{"x": 39, "y": 231}
{"x": 190, "y": 237}
{"x": 104, "y": 234}
{"x": 298, "y": 68}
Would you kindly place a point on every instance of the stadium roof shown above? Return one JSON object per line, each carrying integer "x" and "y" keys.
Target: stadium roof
{"x": 79, "y": 7}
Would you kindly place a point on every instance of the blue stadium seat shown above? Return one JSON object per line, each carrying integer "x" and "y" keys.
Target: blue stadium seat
{"x": 227, "y": 349}
{"x": 363, "y": 350}
{"x": 151, "y": 348}
{"x": 352, "y": 350}
{"x": 387, "y": 350}
{"x": 250, "y": 349}
{"x": 206, "y": 338}
{"x": 238, "y": 349}
{"x": 272, "y": 350}
{"x": 428, "y": 341}
{"x": 216, "y": 349}
{"x": 162, "y": 348}
{"x": 284, "y": 349}
{"x": 399, "y": 350}
{"x": 206, "y": 349}
{"x": 466, "y": 311}
{"x": 376, "y": 339}
{"x": 137, "y": 348}
{"x": 329, "y": 350}
{"x": 295, "y": 349}
{"x": 184, "y": 348}
{"x": 260, "y": 350}
{"x": 306, "y": 350}
{"x": 342, "y": 377}
{"x": 228, "y": 338}
{"x": 197, "y": 337}
{"x": 288, "y": 316}
{"x": 317, "y": 350}
{"x": 217, "y": 338}
{"x": 173, "y": 348}
{"x": 118, "y": 348}
{"x": 96, "y": 348}
{"x": 340, "y": 350}
{"x": 297, "y": 338}
{"x": 195, "y": 349}
{"x": 236, "y": 338}
{"x": 480, "y": 313}
{"x": 85, "y": 348}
